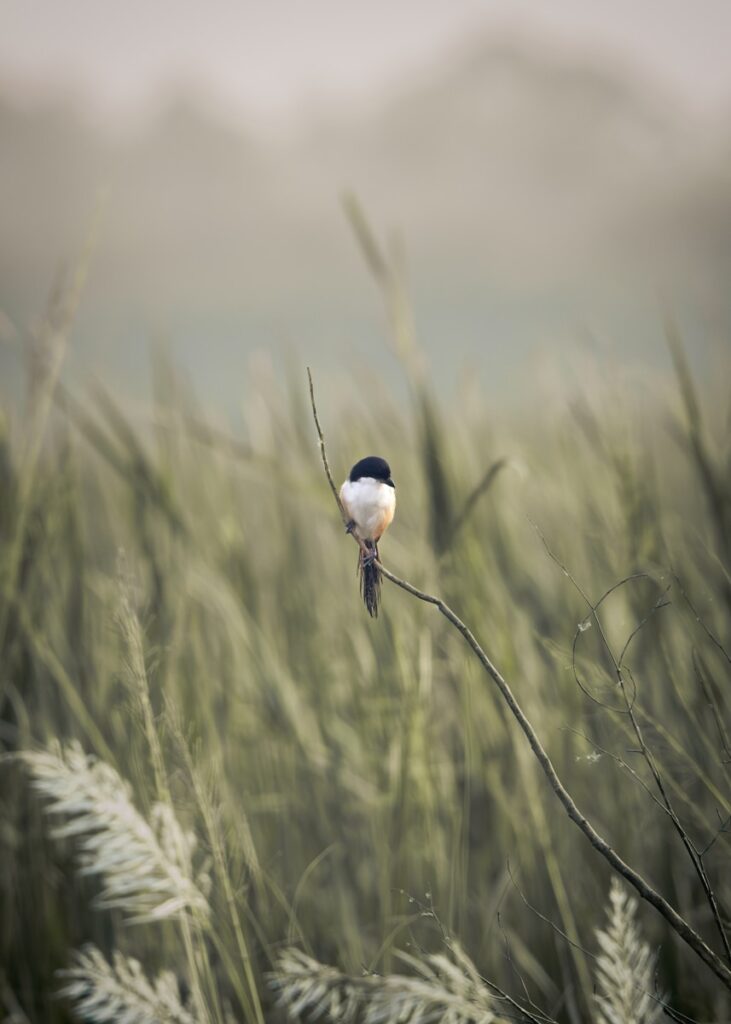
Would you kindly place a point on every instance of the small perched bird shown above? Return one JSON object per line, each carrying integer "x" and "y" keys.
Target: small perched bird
{"x": 369, "y": 500}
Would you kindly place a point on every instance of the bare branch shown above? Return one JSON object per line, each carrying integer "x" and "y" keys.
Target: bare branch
{"x": 711, "y": 636}
{"x": 627, "y": 767}
{"x": 690, "y": 847}
{"x": 705, "y": 686}
{"x": 323, "y": 453}
{"x": 547, "y": 920}
{"x": 426, "y": 910}
{"x": 672, "y": 1013}
{"x": 723, "y": 829}
{"x": 660, "y": 603}
{"x": 679, "y": 925}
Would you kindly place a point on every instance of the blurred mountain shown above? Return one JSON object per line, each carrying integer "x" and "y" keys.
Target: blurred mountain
{"x": 530, "y": 186}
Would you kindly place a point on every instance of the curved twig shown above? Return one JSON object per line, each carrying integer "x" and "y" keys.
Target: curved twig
{"x": 672, "y": 1013}
{"x": 690, "y": 847}
{"x": 323, "y": 453}
{"x": 660, "y": 603}
{"x": 701, "y": 622}
{"x": 679, "y": 925}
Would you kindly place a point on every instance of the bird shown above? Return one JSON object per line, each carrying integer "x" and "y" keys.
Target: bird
{"x": 368, "y": 497}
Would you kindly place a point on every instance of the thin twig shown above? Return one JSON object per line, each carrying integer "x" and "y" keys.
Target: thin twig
{"x": 660, "y": 603}
{"x": 623, "y": 764}
{"x": 690, "y": 847}
{"x": 512, "y": 964}
{"x": 426, "y": 910}
{"x": 723, "y": 829}
{"x": 547, "y": 920}
{"x": 674, "y": 1014}
{"x": 323, "y": 453}
{"x": 705, "y": 686}
{"x": 706, "y": 629}
{"x": 679, "y": 925}
{"x": 584, "y": 624}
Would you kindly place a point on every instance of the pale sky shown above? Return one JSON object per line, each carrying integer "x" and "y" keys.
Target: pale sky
{"x": 274, "y": 57}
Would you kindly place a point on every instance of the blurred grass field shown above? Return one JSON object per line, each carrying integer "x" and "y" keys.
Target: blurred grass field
{"x": 368, "y": 782}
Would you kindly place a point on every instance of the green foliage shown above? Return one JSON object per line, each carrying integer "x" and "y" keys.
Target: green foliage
{"x": 329, "y": 764}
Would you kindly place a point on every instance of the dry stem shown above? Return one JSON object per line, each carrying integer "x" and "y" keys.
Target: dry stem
{"x": 679, "y": 925}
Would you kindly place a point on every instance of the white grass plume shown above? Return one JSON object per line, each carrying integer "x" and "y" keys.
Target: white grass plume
{"x": 307, "y": 988}
{"x": 147, "y": 869}
{"x": 625, "y": 967}
{"x": 444, "y": 988}
{"x": 120, "y": 992}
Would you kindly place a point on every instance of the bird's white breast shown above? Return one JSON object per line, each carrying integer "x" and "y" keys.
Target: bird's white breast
{"x": 370, "y": 503}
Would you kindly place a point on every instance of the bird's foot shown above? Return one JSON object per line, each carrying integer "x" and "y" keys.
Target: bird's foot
{"x": 369, "y": 555}
{"x": 350, "y": 526}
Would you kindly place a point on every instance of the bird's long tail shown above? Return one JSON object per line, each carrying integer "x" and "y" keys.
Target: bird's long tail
{"x": 370, "y": 579}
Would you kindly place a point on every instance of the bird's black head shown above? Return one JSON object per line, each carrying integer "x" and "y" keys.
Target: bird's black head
{"x": 374, "y": 467}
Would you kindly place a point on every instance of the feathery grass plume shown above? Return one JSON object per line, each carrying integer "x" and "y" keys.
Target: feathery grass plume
{"x": 445, "y": 988}
{"x": 306, "y": 988}
{"x": 625, "y": 967}
{"x": 147, "y": 869}
{"x": 442, "y": 989}
{"x": 120, "y": 991}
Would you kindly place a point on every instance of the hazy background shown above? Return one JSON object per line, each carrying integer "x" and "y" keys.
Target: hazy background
{"x": 558, "y": 176}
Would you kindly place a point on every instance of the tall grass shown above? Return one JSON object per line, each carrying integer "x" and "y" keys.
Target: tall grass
{"x": 335, "y": 770}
